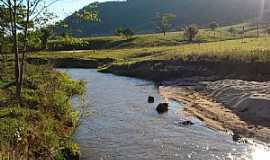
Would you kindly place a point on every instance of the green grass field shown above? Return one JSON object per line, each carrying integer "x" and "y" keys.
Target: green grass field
{"x": 209, "y": 45}
{"x": 157, "y": 39}
{"x": 248, "y": 49}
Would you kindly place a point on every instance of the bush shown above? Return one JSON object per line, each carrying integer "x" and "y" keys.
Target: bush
{"x": 213, "y": 25}
{"x": 232, "y": 30}
{"x": 127, "y": 33}
{"x": 68, "y": 43}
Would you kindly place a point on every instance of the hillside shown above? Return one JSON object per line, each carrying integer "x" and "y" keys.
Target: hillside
{"x": 155, "y": 39}
{"x": 140, "y": 14}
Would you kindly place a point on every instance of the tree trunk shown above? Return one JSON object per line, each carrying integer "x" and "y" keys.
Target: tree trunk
{"x": 190, "y": 38}
{"x": 15, "y": 49}
{"x": 1, "y": 53}
{"x": 17, "y": 67}
{"x": 258, "y": 33}
{"x": 24, "y": 46}
{"x": 2, "y": 62}
{"x": 46, "y": 44}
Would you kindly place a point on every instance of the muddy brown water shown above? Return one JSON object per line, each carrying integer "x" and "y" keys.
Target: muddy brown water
{"x": 123, "y": 126}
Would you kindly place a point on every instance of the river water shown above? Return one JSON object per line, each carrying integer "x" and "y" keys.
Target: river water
{"x": 121, "y": 125}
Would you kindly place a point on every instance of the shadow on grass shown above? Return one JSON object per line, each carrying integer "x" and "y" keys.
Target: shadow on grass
{"x": 121, "y": 43}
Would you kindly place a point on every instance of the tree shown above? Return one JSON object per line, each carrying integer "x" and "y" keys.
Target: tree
{"x": 231, "y": 30}
{"x": 190, "y": 32}
{"x": 267, "y": 31}
{"x": 3, "y": 21}
{"x": 2, "y": 58}
{"x": 1, "y": 42}
{"x": 23, "y": 15}
{"x": 213, "y": 26}
{"x": 243, "y": 33}
{"x": 164, "y": 22}
{"x": 3, "y": 26}
{"x": 128, "y": 33}
{"x": 119, "y": 31}
{"x": 45, "y": 34}
{"x": 16, "y": 12}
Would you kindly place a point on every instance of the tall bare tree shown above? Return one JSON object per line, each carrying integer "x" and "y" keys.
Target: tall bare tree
{"x": 213, "y": 26}
{"x": 190, "y": 32}
{"x": 21, "y": 16}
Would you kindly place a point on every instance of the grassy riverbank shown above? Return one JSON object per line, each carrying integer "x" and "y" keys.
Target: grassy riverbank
{"x": 249, "y": 56}
{"x": 42, "y": 125}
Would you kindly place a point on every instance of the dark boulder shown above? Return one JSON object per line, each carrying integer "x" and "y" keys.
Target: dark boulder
{"x": 162, "y": 107}
{"x": 185, "y": 123}
{"x": 151, "y": 99}
{"x": 236, "y": 137}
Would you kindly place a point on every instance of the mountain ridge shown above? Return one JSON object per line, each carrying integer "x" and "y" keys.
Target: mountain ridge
{"x": 139, "y": 14}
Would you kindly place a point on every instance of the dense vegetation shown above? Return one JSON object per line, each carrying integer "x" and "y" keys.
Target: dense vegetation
{"x": 140, "y": 15}
{"x": 41, "y": 125}
{"x": 36, "y": 116}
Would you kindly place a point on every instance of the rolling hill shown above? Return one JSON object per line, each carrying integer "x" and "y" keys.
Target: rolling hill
{"x": 140, "y": 14}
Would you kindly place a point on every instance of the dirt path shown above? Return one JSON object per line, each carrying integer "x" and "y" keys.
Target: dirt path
{"x": 227, "y": 105}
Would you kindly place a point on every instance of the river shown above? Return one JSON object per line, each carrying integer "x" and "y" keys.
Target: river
{"x": 121, "y": 125}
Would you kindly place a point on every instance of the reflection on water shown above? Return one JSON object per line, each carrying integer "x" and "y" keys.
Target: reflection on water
{"x": 260, "y": 152}
{"x": 124, "y": 126}
{"x": 253, "y": 152}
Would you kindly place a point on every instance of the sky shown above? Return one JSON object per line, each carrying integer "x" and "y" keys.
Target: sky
{"x": 64, "y": 8}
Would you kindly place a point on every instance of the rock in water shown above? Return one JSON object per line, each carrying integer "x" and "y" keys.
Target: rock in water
{"x": 151, "y": 99}
{"x": 162, "y": 107}
{"x": 184, "y": 123}
{"x": 187, "y": 123}
{"x": 236, "y": 137}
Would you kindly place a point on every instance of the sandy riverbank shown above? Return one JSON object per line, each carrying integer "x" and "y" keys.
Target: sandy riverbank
{"x": 242, "y": 107}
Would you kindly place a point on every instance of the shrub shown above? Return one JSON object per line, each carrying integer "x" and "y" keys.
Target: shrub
{"x": 232, "y": 30}
{"x": 213, "y": 25}
{"x": 127, "y": 33}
